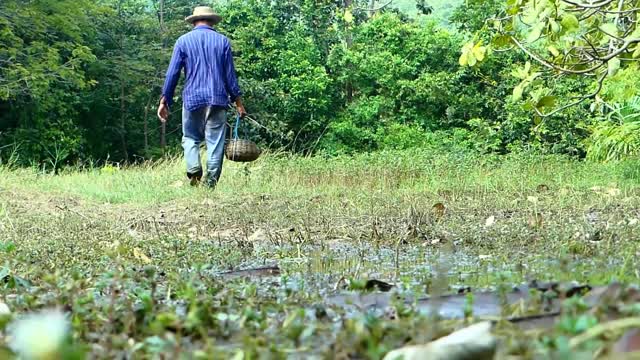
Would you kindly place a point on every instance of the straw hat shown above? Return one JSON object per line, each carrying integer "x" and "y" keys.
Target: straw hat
{"x": 204, "y": 13}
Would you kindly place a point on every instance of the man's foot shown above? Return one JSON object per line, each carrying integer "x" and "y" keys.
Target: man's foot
{"x": 211, "y": 184}
{"x": 195, "y": 179}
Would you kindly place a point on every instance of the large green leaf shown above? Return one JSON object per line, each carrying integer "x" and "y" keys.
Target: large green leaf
{"x": 610, "y": 29}
{"x": 546, "y": 102}
{"x": 613, "y": 66}
{"x": 570, "y": 22}
{"x": 517, "y": 92}
{"x": 535, "y": 33}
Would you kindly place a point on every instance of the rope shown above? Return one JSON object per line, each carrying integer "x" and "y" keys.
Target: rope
{"x": 235, "y": 128}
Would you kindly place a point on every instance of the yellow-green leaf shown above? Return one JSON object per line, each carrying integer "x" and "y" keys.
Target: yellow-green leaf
{"x": 610, "y": 29}
{"x": 570, "y": 22}
{"x": 636, "y": 54}
{"x": 613, "y": 66}
{"x": 517, "y": 92}
{"x": 554, "y": 51}
{"x": 479, "y": 51}
{"x": 501, "y": 41}
{"x": 535, "y": 33}
{"x": 546, "y": 101}
{"x": 348, "y": 16}
{"x": 555, "y": 28}
{"x": 635, "y": 35}
{"x": 471, "y": 59}
{"x": 464, "y": 59}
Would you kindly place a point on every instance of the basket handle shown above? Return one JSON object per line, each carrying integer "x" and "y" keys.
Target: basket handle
{"x": 235, "y": 128}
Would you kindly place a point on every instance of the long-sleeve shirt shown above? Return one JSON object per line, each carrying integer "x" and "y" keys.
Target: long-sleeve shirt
{"x": 211, "y": 80}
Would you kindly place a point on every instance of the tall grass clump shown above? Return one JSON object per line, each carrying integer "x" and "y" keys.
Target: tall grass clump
{"x": 617, "y": 136}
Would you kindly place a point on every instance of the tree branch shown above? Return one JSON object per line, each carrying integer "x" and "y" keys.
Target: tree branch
{"x": 588, "y": 6}
{"x": 374, "y": 9}
{"x": 603, "y": 60}
{"x": 580, "y": 100}
{"x": 544, "y": 62}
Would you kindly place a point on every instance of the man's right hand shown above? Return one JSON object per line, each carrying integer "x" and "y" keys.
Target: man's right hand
{"x": 163, "y": 111}
{"x": 240, "y": 108}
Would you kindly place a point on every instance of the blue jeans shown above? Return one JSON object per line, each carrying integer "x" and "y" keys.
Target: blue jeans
{"x": 205, "y": 124}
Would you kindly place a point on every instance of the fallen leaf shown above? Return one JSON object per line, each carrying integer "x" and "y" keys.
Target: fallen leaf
{"x": 535, "y": 221}
{"x": 613, "y": 192}
{"x": 439, "y": 209}
{"x": 491, "y": 220}
{"x": 542, "y": 188}
{"x": 474, "y": 342}
{"x": 139, "y": 255}
{"x": 258, "y": 236}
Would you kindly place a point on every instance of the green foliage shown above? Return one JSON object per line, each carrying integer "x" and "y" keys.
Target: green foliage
{"x": 82, "y": 83}
{"x": 617, "y": 136}
{"x": 562, "y": 38}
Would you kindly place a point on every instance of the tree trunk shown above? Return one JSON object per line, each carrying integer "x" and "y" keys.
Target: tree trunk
{"x": 163, "y": 129}
{"x": 349, "y": 41}
{"x": 123, "y": 121}
{"x": 372, "y": 8}
{"x": 123, "y": 108}
{"x": 146, "y": 127}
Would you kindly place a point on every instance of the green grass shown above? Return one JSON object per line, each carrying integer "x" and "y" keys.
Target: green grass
{"x": 84, "y": 235}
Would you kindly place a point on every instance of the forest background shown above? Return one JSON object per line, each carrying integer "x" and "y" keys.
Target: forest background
{"x": 80, "y": 80}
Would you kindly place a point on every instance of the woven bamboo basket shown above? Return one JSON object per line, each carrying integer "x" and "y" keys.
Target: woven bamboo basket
{"x": 242, "y": 150}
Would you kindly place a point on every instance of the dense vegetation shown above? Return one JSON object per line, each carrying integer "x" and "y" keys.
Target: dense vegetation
{"x": 79, "y": 80}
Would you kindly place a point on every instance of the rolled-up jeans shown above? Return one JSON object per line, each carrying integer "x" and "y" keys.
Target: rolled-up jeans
{"x": 205, "y": 124}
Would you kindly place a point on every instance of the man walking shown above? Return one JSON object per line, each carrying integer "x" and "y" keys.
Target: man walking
{"x": 211, "y": 83}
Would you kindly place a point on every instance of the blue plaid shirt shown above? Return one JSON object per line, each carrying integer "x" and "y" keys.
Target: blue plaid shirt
{"x": 208, "y": 66}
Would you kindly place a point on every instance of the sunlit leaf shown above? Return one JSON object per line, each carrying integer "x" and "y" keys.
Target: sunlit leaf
{"x": 554, "y": 26}
{"x": 464, "y": 59}
{"x": 553, "y": 50}
{"x": 610, "y": 29}
{"x": 613, "y": 66}
{"x": 479, "y": 52}
{"x": 570, "y": 22}
{"x": 517, "y": 92}
{"x": 502, "y": 41}
{"x": 535, "y": 32}
{"x": 348, "y": 16}
{"x": 471, "y": 59}
{"x": 546, "y": 101}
